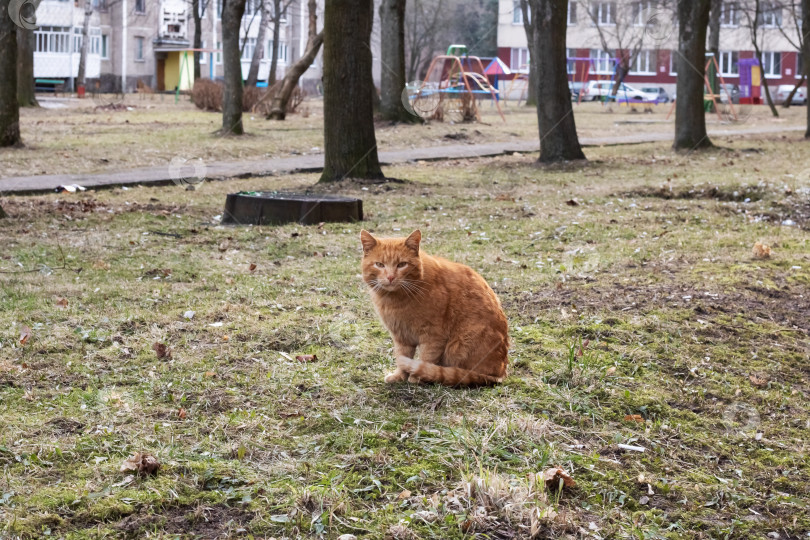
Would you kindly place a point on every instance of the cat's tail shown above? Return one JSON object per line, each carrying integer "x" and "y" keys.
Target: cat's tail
{"x": 448, "y": 376}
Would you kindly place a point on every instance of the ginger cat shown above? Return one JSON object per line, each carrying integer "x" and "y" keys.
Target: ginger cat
{"x": 444, "y": 308}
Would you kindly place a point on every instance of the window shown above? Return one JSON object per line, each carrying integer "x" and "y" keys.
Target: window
{"x": 770, "y": 15}
{"x": 772, "y": 64}
{"x": 219, "y": 10}
{"x": 203, "y": 55}
{"x": 644, "y": 63}
{"x": 601, "y": 62}
{"x": 673, "y": 62}
{"x": 519, "y": 60}
{"x": 729, "y": 14}
{"x": 642, "y": 12}
{"x": 139, "y": 49}
{"x": 105, "y": 51}
{"x": 248, "y": 46}
{"x": 572, "y": 13}
{"x": 219, "y": 53}
{"x": 140, "y": 6}
{"x": 517, "y": 13}
{"x": 604, "y": 13}
{"x": 729, "y": 63}
{"x": 282, "y": 50}
{"x": 570, "y": 64}
{"x": 52, "y": 39}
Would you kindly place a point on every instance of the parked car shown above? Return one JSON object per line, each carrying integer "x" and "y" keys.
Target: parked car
{"x": 728, "y": 89}
{"x": 663, "y": 97}
{"x": 597, "y": 90}
{"x": 784, "y": 90}
{"x": 576, "y": 88}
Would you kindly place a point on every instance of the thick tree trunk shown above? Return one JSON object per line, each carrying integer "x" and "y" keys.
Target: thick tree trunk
{"x": 9, "y": 107}
{"x": 392, "y": 54}
{"x": 232, "y": 12}
{"x": 26, "y": 91}
{"x": 255, "y": 61}
{"x": 555, "y": 116}
{"x": 278, "y": 108}
{"x": 349, "y": 143}
{"x": 690, "y": 117}
{"x": 806, "y": 57}
{"x": 197, "y": 44}
{"x": 81, "y": 79}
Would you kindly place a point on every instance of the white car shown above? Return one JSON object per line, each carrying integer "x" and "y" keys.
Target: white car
{"x": 598, "y": 90}
{"x": 784, "y": 90}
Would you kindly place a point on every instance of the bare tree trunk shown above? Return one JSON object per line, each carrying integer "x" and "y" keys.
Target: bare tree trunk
{"x": 278, "y": 108}
{"x": 349, "y": 142}
{"x": 255, "y": 61}
{"x": 3, "y": 214}
{"x": 277, "y": 14}
{"x": 232, "y": 12}
{"x": 806, "y": 56}
{"x": 81, "y": 79}
{"x": 197, "y": 44}
{"x": 765, "y": 86}
{"x": 531, "y": 96}
{"x": 555, "y": 116}
{"x": 9, "y": 107}
{"x": 690, "y": 116}
{"x": 392, "y": 54}
{"x": 26, "y": 91}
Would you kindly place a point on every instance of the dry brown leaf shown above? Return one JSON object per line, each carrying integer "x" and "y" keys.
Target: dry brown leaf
{"x": 161, "y": 350}
{"x": 307, "y": 358}
{"x": 552, "y": 477}
{"x": 252, "y": 267}
{"x": 101, "y": 265}
{"x": 141, "y": 462}
{"x": 62, "y": 303}
{"x": 404, "y": 494}
{"x": 610, "y": 371}
{"x": 761, "y": 251}
{"x": 25, "y": 335}
{"x": 181, "y": 414}
{"x": 634, "y": 418}
{"x": 759, "y": 380}
{"x": 209, "y": 374}
{"x": 572, "y": 202}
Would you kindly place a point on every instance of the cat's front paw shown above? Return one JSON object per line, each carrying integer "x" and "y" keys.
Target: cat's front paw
{"x": 396, "y": 376}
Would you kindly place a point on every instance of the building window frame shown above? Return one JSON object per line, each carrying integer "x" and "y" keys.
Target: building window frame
{"x": 603, "y": 14}
{"x": 729, "y": 63}
{"x": 138, "y": 50}
{"x": 572, "y": 14}
{"x": 729, "y": 15}
{"x": 140, "y": 6}
{"x": 771, "y": 60}
{"x": 644, "y": 63}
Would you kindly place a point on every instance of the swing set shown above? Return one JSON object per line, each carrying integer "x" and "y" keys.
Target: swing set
{"x": 711, "y": 72}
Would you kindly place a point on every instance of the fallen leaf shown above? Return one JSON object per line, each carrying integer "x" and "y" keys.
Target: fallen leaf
{"x": 252, "y": 267}
{"x": 62, "y": 303}
{"x": 225, "y": 338}
{"x": 758, "y": 381}
{"x": 307, "y": 358}
{"x": 101, "y": 265}
{"x": 25, "y": 335}
{"x": 161, "y": 350}
{"x": 142, "y": 463}
{"x": 611, "y": 370}
{"x": 404, "y": 494}
{"x": 209, "y": 374}
{"x": 761, "y": 251}
{"x": 552, "y": 478}
{"x": 181, "y": 414}
{"x": 572, "y": 202}
{"x": 634, "y": 418}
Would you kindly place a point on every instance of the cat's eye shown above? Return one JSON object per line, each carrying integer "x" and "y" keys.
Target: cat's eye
{"x": 402, "y": 265}
{"x": 379, "y": 265}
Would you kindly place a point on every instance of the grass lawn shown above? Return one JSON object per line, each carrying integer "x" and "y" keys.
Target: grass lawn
{"x": 86, "y": 136}
{"x": 630, "y": 288}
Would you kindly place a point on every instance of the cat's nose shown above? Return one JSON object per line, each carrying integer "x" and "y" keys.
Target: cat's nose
{"x": 390, "y": 279}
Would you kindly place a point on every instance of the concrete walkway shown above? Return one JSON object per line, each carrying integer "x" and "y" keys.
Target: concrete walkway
{"x": 314, "y": 163}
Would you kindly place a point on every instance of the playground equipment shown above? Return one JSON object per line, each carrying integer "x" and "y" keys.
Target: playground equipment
{"x": 452, "y": 86}
{"x": 582, "y": 72}
{"x": 750, "y": 81}
{"x": 520, "y": 82}
{"x": 711, "y": 72}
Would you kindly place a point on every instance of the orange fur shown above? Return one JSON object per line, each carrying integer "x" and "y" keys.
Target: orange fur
{"x": 444, "y": 308}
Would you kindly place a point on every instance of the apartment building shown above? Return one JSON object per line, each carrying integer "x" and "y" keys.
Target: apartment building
{"x": 647, "y": 31}
{"x": 150, "y": 42}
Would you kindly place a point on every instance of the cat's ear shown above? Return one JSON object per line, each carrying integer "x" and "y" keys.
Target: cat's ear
{"x": 413, "y": 240}
{"x": 367, "y": 240}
